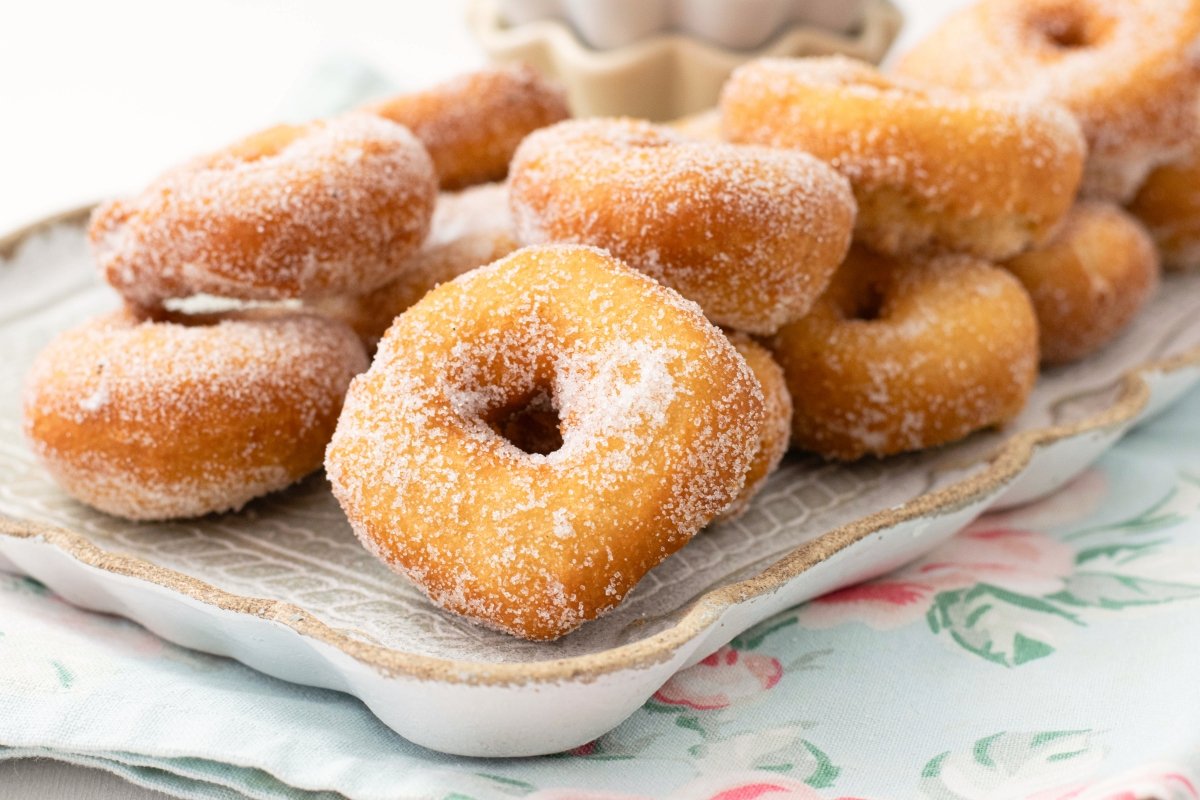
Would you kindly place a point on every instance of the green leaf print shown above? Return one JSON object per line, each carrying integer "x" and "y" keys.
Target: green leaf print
{"x": 1118, "y": 553}
{"x": 1009, "y": 764}
{"x": 1111, "y": 591}
{"x": 996, "y": 624}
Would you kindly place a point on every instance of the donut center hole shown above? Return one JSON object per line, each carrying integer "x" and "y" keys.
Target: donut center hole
{"x": 1069, "y": 31}
{"x": 867, "y": 306}
{"x": 531, "y": 424}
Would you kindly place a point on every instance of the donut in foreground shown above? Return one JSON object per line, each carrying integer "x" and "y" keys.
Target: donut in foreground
{"x": 658, "y": 420}
{"x": 901, "y": 356}
{"x": 1090, "y": 281}
{"x": 472, "y": 124}
{"x": 931, "y": 168}
{"x": 749, "y": 233}
{"x": 1168, "y": 204}
{"x": 470, "y": 228}
{"x": 777, "y": 421}
{"x": 169, "y": 419}
{"x": 293, "y": 211}
{"x": 1128, "y": 69}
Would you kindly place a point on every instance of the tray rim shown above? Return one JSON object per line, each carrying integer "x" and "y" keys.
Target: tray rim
{"x": 1004, "y": 465}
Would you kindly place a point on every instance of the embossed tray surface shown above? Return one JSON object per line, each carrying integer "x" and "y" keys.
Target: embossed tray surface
{"x": 285, "y": 587}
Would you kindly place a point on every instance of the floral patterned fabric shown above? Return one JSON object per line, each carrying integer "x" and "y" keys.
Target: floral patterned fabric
{"x": 1045, "y": 653}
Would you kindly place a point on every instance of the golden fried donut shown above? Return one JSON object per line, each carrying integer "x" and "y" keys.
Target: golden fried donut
{"x": 659, "y": 420}
{"x": 293, "y": 211}
{"x": 930, "y": 168}
{"x": 1168, "y": 204}
{"x": 470, "y": 228}
{"x": 777, "y": 421}
{"x": 1089, "y": 281}
{"x": 167, "y": 419}
{"x": 1128, "y": 69}
{"x": 472, "y": 124}
{"x": 903, "y": 356}
{"x": 749, "y": 233}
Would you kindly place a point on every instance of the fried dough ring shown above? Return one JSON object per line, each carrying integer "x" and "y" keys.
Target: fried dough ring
{"x": 182, "y": 417}
{"x": 291, "y": 212}
{"x": 749, "y": 233}
{"x": 904, "y": 356}
{"x": 931, "y": 168}
{"x": 1090, "y": 281}
{"x": 1129, "y": 70}
{"x": 472, "y": 124}
{"x": 659, "y": 417}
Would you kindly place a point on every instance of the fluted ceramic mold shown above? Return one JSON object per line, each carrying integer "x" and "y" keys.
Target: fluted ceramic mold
{"x": 662, "y": 59}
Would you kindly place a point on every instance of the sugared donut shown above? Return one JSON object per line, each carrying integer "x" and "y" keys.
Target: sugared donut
{"x": 1089, "y": 281}
{"x": 658, "y": 414}
{"x": 777, "y": 421}
{"x": 472, "y": 124}
{"x": 751, "y": 234}
{"x": 1168, "y": 204}
{"x": 293, "y": 211}
{"x": 166, "y": 419}
{"x": 470, "y": 228}
{"x": 1128, "y": 69}
{"x": 931, "y": 168}
{"x": 901, "y": 356}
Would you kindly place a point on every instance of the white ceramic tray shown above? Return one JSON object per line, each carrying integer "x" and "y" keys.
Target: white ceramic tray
{"x": 284, "y": 587}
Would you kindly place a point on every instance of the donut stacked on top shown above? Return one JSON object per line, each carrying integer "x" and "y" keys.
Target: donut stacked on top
{"x": 152, "y": 412}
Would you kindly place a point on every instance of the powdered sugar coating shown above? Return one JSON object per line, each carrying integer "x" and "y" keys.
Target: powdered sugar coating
{"x": 161, "y": 420}
{"x": 659, "y": 417}
{"x": 472, "y": 124}
{"x": 291, "y": 212}
{"x": 900, "y": 356}
{"x": 751, "y": 234}
{"x": 931, "y": 168}
{"x": 470, "y": 228}
{"x": 1128, "y": 69}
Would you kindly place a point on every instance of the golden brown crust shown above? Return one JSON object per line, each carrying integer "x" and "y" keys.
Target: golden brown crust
{"x": 1089, "y": 281}
{"x": 777, "y": 421}
{"x": 900, "y": 356}
{"x": 1168, "y": 204}
{"x": 931, "y": 168}
{"x": 161, "y": 420}
{"x": 659, "y": 419}
{"x": 1128, "y": 69}
{"x": 293, "y": 211}
{"x": 472, "y": 124}
{"x": 470, "y": 228}
{"x": 750, "y": 233}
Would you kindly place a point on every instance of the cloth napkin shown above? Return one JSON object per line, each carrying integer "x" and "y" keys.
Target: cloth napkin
{"x": 1045, "y": 653}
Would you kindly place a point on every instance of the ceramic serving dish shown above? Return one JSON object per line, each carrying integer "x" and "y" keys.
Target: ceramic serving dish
{"x": 660, "y": 73}
{"x": 284, "y": 587}
{"x": 735, "y": 24}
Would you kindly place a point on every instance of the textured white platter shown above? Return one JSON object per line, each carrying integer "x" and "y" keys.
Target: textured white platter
{"x": 284, "y": 587}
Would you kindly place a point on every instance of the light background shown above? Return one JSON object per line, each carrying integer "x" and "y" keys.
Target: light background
{"x": 97, "y": 97}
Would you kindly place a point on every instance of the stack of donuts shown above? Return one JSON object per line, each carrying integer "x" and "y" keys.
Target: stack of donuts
{"x": 577, "y": 369}
{"x": 171, "y": 408}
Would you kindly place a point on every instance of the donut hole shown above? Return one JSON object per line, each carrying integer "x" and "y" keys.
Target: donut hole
{"x": 1067, "y": 29}
{"x": 531, "y": 424}
{"x": 866, "y": 305}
